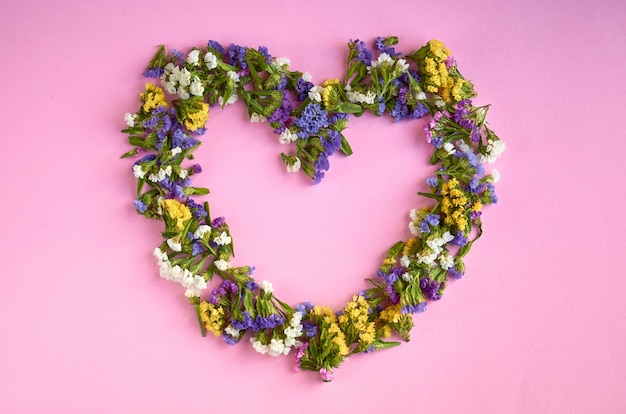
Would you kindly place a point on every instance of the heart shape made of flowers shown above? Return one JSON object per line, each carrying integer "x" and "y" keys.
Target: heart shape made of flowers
{"x": 166, "y": 131}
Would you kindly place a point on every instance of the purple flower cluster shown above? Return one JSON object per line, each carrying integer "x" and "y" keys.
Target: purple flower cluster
{"x": 431, "y": 288}
{"x": 212, "y": 44}
{"x": 459, "y": 239}
{"x": 456, "y": 274}
{"x": 224, "y": 288}
{"x": 182, "y": 140}
{"x": 175, "y": 188}
{"x": 461, "y": 117}
{"x": 431, "y": 220}
{"x": 312, "y": 119}
{"x": 365, "y": 55}
{"x": 218, "y": 222}
{"x": 197, "y": 209}
{"x": 258, "y": 323}
{"x": 383, "y": 48}
{"x": 281, "y": 117}
{"x": 419, "y": 308}
{"x": 153, "y": 73}
{"x": 302, "y": 89}
{"x": 140, "y": 206}
{"x": 390, "y": 279}
{"x": 401, "y": 110}
{"x": 237, "y": 55}
{"x": 265, "y": 52}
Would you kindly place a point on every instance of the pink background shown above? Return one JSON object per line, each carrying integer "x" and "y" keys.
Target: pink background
{"x": 537, "y": 325}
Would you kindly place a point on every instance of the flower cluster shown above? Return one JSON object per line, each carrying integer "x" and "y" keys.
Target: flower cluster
{"x": 310, "y": 120}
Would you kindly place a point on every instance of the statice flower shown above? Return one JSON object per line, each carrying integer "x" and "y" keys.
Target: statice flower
{"x": 236, "y": 54}
{"x": 302, "y": 88}
{"x": 312, "y": 119}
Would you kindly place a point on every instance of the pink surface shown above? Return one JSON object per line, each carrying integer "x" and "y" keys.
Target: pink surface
{"x": 537, "y": 325}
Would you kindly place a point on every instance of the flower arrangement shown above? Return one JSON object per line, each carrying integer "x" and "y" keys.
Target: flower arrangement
{"x": 309, "y": 119}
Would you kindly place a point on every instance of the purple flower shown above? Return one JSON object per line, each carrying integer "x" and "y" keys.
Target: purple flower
{"x": 251, "y": 285}
{"x": 178, "y": 55}
{"x": 218, "y": 222}
{"x": 229, "y": 339}
{"x": 318, "y": 177}
{"x": 197, "y": 210}
{"x": 196, "y": 168}
{"x": 236, "y": 54}
{"x": 456, "y": 274}
{"x": 309, "y": 329}
{"x": 196, "y": 248}
{"x": 216, "y": 46}
{"x": 311, "y": 120}
{"x": 459, "y": 239}
{"x": 140, "y": 206}
{"x": 333, "y": 143}
{"x": 153, "y": 73}
{"x": 419, "y": 308}
{"x": 432, "y": 219}
{"x": 322, "y": 163}
{"x": 432, "y": 181}
{"x": 381, "y": 45}
{"x": 263, "y": 50}
{"x": 302, "y": 88}
{"x": 365, "y": 55}
{"x": 145, "y": 158}
{"x": 430, "y": 288}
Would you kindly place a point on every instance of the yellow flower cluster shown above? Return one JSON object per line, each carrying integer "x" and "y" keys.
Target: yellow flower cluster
{"x": 212, "y": 317}
{"x": 329, "y": 96}
{"x": 407, "y": 250}
{"x": 176, "y": 211}
{"x": 329, "y": 318}
{"x": 197, "y": 119}
{"x": 436, "y": 75}
{"x": 356, "y": 314}
{"x": 453, "y": 204}
{"x": 153, "y": 97}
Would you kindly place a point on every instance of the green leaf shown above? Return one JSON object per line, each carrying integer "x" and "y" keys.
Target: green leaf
{"x": 345, "y": 146}
{"x": 130, "y": 153}
{"x": 349, "y": 108}
{"x": 395, "y": 249}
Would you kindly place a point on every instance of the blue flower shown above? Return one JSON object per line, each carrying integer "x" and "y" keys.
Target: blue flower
{"x": 236, "y": 55}
{"x": 153, "y": 73}
{"x": 216, "y": 46}
{"x": 140, "y": 206}
{"x": 311, "y": 120}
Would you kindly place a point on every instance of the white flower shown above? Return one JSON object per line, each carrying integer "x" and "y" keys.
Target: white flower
{"x": 160, "y": 255}
{"x": 184, "y": 77}
{"x": 258, "y": 346}
{"x": 196, "y": 88}
{"x": 407, "y": 277}
{"x": 383, "y": 58}
{"x": 130, "y": 119}
{"x": 233, "y": 98}
{"x": 358, "y": 97}
{"x": 223, "y": 239}
{"x": 400, "y": 66}
{"x": 170, "y": 87}
{"x": 232, "y": 331}
{"x": 195, "y": 284}
{"x": 287, "y": 137}
{"x": 446, "y": 261}
{"x": 494, "y": 149}
{"x": 449, "y": 147}
{"x": 233, "y": 76}
{"x": 440, "y": 103}
{"x": 257, "y": 118}
{"x": 427, "y": 259}
{"x": 221, "y": 264}
{"x": 447, "y": 237}
{"x": 296, "y": 319}
{"x": 138, "y": 171}
{"x": 176, "y": 151}
{"x": 160, "y": 176}
{"x": 183, "y": 174}
{"x": 276, "y": 347}
{"x": 174, "y": 245}
{"x": 266, "y": 286}
{"x": 315, "y": 94}
{"x": 282, "y": 62}
{"x": 421, "y": 96}
{"x": 414, "y": 229}
{"x": 413, "y": 214}
{"x": 168, "y": 170}
{"x": 211, "y": 60}
{"x": 201, "y": 231}
{"x": 192, "y": 57}
{"x": 182, "y": 92}
{"x": 495, "y": 175}
{"x": 463, "y": 146}
{"x": 404, "y": 261}
{"x": 306, "y": 76}
{"x": 295, "y": 167}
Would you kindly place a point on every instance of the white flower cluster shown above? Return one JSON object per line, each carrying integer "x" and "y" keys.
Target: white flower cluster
{"x": 494, "y": 149}
{"x": 130, "y": 119}
{"x": 160, "y": 175}
{"x": 287, "y": 137}
{"x": 315, "y": 93}
{"x": 295, "y": 167}
{"x": 266, "y": 286}
{"x": 193, "y": 283}
{"x": 279, "y": 346}
{"x": 257, "y": 118}
{"x": 282, "y": 63}
{"x": 178, "y": 81}
{"x": 223, "y": 239}
{"x": 358, "y": 97}
{"x": 435, "y": 250}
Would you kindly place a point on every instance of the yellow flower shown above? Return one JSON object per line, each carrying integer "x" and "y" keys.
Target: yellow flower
{"x": 477, "y": 206}
{"x": 386, "y": 331}
{"x": 438, "y": 49}
{"x": 406, "y": 250}
{"x": 392, "y": 314}
{"x": 327, "y": 82}
{"x": 197, "y": 119}
{"x": 153, "y": 97}
{"x": 213, "y": 317}
{"x": 178, "y": 212}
